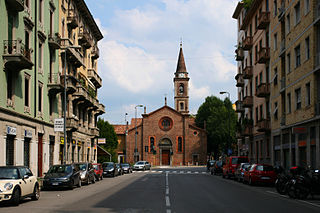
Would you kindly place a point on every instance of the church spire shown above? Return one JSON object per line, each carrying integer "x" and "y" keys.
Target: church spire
{"x": 181, "y": 66}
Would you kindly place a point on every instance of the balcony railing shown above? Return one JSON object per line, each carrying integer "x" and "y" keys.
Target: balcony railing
{"x": 55, "y": 84}
{"x": 247, "y": 43}
{"x": 71, "y": 83}
{"x": 247, "y": 72}
{"x": 94, "y": 131}
{"x": 72, "y": 19}
{"x": 72, "y": 124}
{"x": 84, "y": 38}
{"x": 239, "y": 106}
{"x": 15, "y": 5}
{"x": 264, "y": 55}
{"x": 282, "y": 84}
{"x": 263, "y": 20}
{"x": 95, "y": 78}
{"x": 263, "y": 90}
{"x": 101, "y": 109}
{"x": 75, "y": 55}
{"x": 263, "y": 125}
{"x": 54, "y": 41}
{"x": 95, "y": 52}
{"x": 240, "y": 81}
{"x": 247, "y": 102}
{"x": 16, "y": 55}
{"x": 239, "y": 54}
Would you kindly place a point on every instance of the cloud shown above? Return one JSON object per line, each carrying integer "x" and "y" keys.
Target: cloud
{"x": 198, "y": 93}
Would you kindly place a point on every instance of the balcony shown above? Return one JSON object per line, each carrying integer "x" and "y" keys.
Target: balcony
{"x": 247, "y": 43}
{"x": 247, "y": 102}
{"x": 101, "y": 109}
{"x": 72, "y": 124}
{"x": 15, "y": 5}
{"x": 247, "y": 72}
{"x": 247, "y": 131}
{"x": 282, "y": 84}
{"x": 239, "y": 54}
{"x": 94, "y": 78}
{"x": 263, "y": 125}
{"x": 95, "y": 52}
{"x": 54, "y": 41}
{"x": 73, "y": 55}
{"x": 263, "y": 90}
{"x": 71, "y": 83}
{"x": 94, "y": 131}
{"x": 72, "y": 19}
{"x": 240, "y": 81}
{"x": 55, "y": 84}
{"x": 16, "y": 56}
{"x": 84, "y": 38}
{"x": 264, "y": 55}
{"x": 239, "y": 106}
{"x": 263, "y": 20}
{"x": 81, "y": 94}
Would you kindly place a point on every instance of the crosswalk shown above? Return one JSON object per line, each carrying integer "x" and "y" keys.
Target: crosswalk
{"x": 171, "y": 172}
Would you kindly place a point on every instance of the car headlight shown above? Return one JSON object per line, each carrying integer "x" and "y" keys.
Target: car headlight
{"x": 8, "y": 186}
{"x": 83, "y": 175}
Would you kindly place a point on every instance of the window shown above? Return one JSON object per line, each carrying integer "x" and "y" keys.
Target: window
{"x": 179, "y": 148}
{"x": 298, "y": 98}
{"x": 41, "y": 11}
{"x": 256, "y": 85}
{"x": 26, "y": 152}
{"x": 151, "y": 144}
{"x": 256, "y": 53}
{"x": 256, "y": 22}
{"x": 10, "y": 88}
{"x": 289, "y": 102}
{"x": 181, "y": 88}
{"x": 288, "y": 23}
{"x": 307, "y": 43}
{"x": 288, "y": 63}
{"x": 40, "y": 57}
{"x": 40, "y": 86}
{"x": 257, "y": 113}
{"x": 181, "y": 106}
{"x": 261, "y": 112}
{"x": 297, "y": 56}
{"x": 51, "y": 106}
{"x": 260, "y": 78}
{"x": 275, "y": 112}
{"x": 275, "y": 78}
{"x": 297, "y": 13}
{"x": 306, "y": 6}
{"x": 165, "y": 123}
{"x": 275, "y": 7}
{"x": 26, "y": 90}
{"x": 308, "y": 95}
{"x": 275, "y": 37}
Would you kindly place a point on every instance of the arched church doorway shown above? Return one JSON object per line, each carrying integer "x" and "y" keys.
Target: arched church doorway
{"x": 165, "y": 146}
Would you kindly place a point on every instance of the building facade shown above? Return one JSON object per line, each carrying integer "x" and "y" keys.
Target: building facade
{"x": 293, "y": 79}
{"x": 166, "y": 136}
{"x": 31, "y": 96}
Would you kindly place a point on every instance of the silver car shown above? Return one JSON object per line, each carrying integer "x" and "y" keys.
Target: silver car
{"x": 142, "y": 165}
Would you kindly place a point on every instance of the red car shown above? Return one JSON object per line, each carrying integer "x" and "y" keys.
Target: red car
{"x": 98, "y": 171}
{"x": 231, "y": 164}
{"x": 259, "y": 173}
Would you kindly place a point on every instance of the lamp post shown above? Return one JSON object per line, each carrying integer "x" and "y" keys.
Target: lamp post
{"x": 228, "y": 142}
{"x": 125, "y": 137}
{"x": 65, "y": 103}
{"x": 136, "y": 132}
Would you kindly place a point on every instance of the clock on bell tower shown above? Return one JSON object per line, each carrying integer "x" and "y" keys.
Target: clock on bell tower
{"x": 181, "y": 85}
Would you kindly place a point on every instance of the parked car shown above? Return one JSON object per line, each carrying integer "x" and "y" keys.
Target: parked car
{"x": 126, "y": 168}
{"x": 217, "y": 168}
{"x": 259, "y": 173}
{"x": 119, "y": 168}
{"x": 17, "y": 182}
{"x": 231, "y": 164}
{"x": 62, "y": 176}
{"x": 97, "y": 167}
{"x": 238, "y": 174}
{"x": 142, "y": 165}
{"x": 109, "y": 169}
{"x": 87, "y": 174}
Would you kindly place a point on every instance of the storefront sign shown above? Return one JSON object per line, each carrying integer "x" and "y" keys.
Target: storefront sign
{"x": 11, "y": 130}
{"x": 101, "y": 141}
{"x": 61, "y": 140}
{"x": 58, "y": 125}
{"x": 299, "y": 130}
{"x": 302, "y": 143}
{"x": 27, "y": 134}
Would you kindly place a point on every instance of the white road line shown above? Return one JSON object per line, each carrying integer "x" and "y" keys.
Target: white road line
{"x": 303, "y": 201}
{"x": 167, "y": 191}
{"x": 196, "y": 172}
{"x": 181, "y": 172}
{"x": 203, "y": 172}
{"x": 313, "y": 204}
{"x": 189, "y": 172}
{"x": 153, "y": 171}
{"x": 167, "y": 201}
{"x": 174, "y": 171}
{"x": 168, "y": 210}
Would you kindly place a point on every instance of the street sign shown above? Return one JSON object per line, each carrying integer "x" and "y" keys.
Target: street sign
{"x": 101, "y": 141}
{"x": 58, "y": 125}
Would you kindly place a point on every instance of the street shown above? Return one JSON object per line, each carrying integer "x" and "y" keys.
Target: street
{"x": 183, "y": 189}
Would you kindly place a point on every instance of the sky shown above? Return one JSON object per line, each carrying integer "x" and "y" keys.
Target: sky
{"x": 139, "y": 52}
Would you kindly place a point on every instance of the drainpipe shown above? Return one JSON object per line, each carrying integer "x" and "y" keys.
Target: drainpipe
{"x": 35, "y": 57}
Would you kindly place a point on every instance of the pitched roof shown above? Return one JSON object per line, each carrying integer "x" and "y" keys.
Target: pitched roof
{"x": 181, "y": 66}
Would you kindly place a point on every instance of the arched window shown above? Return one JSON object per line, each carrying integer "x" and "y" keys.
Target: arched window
{"x": 151, "y": 144}
{"x": 181, "y": 88}
{"x": 181, "y": 106}
{"x": 179, "y": 144}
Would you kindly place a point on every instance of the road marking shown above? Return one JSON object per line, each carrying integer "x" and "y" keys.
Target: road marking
{"x": 168, "y": 210}
{"x": 196, "y": 172}
{"x": 167, "y": 191}
{"x": 189, "y": 172}
{"x": 174, "y": 171}
{"x": 181, "y": 172}
{"x": 303, "y": 201}
{"x": 203, "y": 172}
{"x": 309, "y": 203}
{"x": 153, "y": 171}
{"x": 167, "y": 201}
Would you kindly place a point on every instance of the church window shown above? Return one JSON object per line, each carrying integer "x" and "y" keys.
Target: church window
{"x": 181, "y": 88}
{"x": 151, "y": 144}
{"x": 195, "y": 133}
{"x": 179, "y": 148}
{"x": 165, "y": 123}
{"x": 181, "y": 106}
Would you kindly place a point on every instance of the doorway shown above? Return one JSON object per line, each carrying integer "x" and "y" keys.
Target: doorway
{"x": 165, "y": 157}
{"x": 40, "y": 152}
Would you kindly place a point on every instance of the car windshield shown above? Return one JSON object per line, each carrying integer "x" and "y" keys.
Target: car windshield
{"x": 139, "y": 163}
{"x": 107, "y": 165}
{"x": 60, "y": 169}
{"x": 82, "y": 167}
{"x": 245, "y": 166}
{"x": 239, "y": 160}
{"x": 96, "y": 167}
{"x": 264, "y": 168}
{"x": 125, "y": 165}
{"x": 9, "y": 173}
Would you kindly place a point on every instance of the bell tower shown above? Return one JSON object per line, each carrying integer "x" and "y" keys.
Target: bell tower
{"x": 181, "y": 85}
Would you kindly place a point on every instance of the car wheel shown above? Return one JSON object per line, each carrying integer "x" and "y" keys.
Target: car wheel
{"x": 36, "y": 193}
{"x": 79, "y": 183}
{"x": 144, "y": 168}
{"x": 15, "y": 199}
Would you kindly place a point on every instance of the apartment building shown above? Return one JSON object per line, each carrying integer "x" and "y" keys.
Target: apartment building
{"x": 253, "y": 77}
{"x": 31, "y": 94}
{"x": 295, "y": 85}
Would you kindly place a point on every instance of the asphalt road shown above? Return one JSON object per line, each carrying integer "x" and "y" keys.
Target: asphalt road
{"x": 183, "y": 189}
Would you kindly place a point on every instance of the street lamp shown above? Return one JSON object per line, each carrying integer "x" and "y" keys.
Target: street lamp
{"x": 228, "y": 142}
{"x": 65, "y": 103}
{"x": 135, "y": 137}
{"x": 125, "y": 137}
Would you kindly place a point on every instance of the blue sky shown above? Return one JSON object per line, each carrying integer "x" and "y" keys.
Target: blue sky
{"x": 139, "y": 52}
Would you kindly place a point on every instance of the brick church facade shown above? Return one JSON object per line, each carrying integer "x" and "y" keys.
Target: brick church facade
{"x": 165, "y": 136}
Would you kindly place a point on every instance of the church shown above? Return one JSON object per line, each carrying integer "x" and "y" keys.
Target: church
{"x": 165, "y": 136}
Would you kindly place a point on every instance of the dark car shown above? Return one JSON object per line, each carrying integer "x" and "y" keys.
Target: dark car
{"x": 62, "y": 176}
{"x": 126, "y": 168}
{"x": 119, "y": 168}
{"x": 217, "y": 168}
{"x": 239, "y": 173}
{"x": 87, "y": 174}
{"x": 98, "y": 171}
{"x": 109, "y": 169}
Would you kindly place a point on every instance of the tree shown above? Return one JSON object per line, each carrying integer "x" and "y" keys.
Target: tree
{"x": 215, "y": 114}
{"x": 107, "y": 132}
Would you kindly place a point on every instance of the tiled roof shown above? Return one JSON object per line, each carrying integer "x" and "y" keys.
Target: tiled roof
{"x": 119, "y": 129}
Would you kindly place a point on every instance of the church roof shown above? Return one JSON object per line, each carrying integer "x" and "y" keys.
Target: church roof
{"x": 181, "y": 66}
{"x": 161, "y": 108}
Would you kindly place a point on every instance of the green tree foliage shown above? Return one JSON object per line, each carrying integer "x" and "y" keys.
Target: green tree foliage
{"x": 215, "y": 114}
{"x": 247, "y": 3}
{"x": 107, "y": 132}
